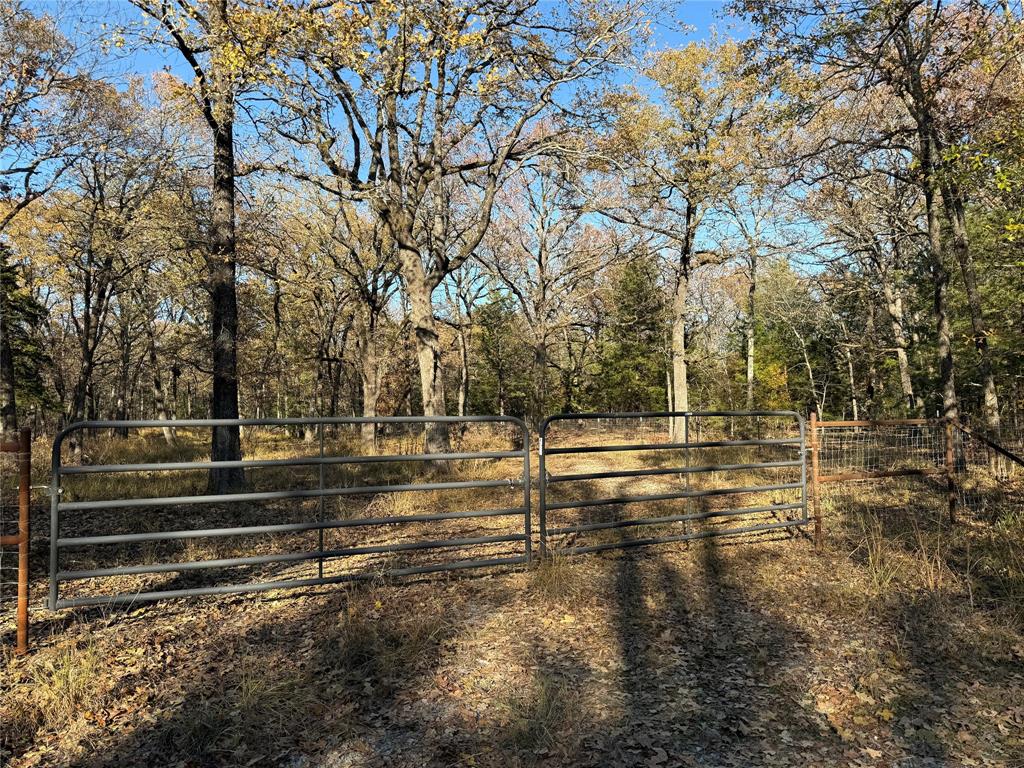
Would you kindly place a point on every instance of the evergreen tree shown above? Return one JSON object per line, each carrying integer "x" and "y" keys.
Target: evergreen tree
{"x": 631, "y": 363}
{"x": 22, "y": 315}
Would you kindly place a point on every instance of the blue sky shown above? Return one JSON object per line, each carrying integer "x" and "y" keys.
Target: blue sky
{"x": 693, "y": 20}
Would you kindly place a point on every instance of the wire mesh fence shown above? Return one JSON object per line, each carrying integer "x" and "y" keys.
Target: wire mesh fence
{"x": 976, "y": 475}
{"x": 876, "y": 449}
{"x": 990, "y": 477}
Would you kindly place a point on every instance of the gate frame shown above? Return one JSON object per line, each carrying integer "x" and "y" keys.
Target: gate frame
{"x": 543, "y": 479}
{"x": 57, "y": 507}
{"x": 23, "y": 449}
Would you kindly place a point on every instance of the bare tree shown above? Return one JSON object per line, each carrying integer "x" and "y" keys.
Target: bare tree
{"x": 45, "y": 99}
{"x": 443, "y": 109}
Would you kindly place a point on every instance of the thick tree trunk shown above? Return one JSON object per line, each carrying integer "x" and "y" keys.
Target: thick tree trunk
{"x": 940, "y": 281}
{"x": 428, "y": 357}
{"x": 226, "y": 441}
{"x": 540, "y": 379}
{"x": 928, "y": 159}
{"x": 680, "y": 380}
{"x": 369, "y": 376}
{"x": 961, "y": 246}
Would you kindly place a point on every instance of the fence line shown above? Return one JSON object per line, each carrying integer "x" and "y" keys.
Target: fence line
{"x": 977, "y": 469}
{"x": 837, "y": 452}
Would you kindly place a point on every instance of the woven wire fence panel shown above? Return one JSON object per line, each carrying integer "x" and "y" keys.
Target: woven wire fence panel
{"x": 974, "y": 451}
{"x": 880, "y": 448}
{"x": 989, "y": 484}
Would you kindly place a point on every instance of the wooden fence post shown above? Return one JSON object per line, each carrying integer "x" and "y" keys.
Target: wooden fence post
{"x": 950, "y": 471}
{"x": 815, "y": 499}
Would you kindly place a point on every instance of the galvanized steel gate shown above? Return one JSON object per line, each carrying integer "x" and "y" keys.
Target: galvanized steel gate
{"x": 721, "y": 454}
{"x": 63, "y": 541}
{"x": 789, "y": 455}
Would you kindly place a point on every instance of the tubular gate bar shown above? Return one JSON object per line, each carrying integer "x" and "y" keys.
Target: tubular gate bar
{"x": 59, "y": 543}
{"x": 546, "y": 450}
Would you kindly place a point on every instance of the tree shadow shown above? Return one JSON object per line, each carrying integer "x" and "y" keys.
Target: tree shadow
{"x": 704, "y": 668}
{"x": 942, "y": 644}
{"x": 298, "y": 682}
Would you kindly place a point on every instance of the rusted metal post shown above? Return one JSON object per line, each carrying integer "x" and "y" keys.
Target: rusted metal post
{"x": 815, "y": 493}
{"x": 950, "y": 471}
{"x": 24, "y": 486}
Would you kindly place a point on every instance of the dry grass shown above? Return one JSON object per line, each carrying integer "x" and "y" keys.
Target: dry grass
{"x": 900, "y": 644}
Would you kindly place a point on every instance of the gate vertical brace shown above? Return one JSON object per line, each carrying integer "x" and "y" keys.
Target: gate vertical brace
{"x": 321, "y": 501}
{"x": 54, "y": 521}
{"x": 686, "y": 452}
{"x": 950, "y": 470}
{"x": 815, "y": 490}
{"x": 542, "y": 487}
{"x": 528, "y": 511}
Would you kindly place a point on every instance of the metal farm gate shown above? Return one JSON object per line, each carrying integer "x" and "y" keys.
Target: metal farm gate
{"x": 127, "y": 533}
{"x": 347, "y": 508}
{"x": 713, "y": 466}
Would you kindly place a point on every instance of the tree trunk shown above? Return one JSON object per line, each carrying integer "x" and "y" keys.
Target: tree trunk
{"x": 894, "y": 308}
{"x": 124, "y": 375}
{"x": 751, "y": 319}
{"x": 159, "y": 401}
{"x": 668, "y": 389}
{"x": 819, "y": 402}
{"x": 463, "y": 369}
{"x": 540, "y": 378}
{"x": 958, "y": 221}
{"x": 226, "y": 442}
{"x": 873, "y": 389}
{"x": 680, "y": 382}
{"x": 428, "y": 356}
{"x": 853, "y": 383}
{"x": 928, "y": 159}
{"x": 175, "y": 373}
{"x": 369, "y": 376}
{"x": 940, "y": 281}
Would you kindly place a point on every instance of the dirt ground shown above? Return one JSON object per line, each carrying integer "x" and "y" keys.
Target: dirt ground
{"x": 900, "y": 644}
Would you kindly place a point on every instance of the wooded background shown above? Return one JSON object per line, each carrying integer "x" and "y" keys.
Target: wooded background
{"x": 524, "y": 208}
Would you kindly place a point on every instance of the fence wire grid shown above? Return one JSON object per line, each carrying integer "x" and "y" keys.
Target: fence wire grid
{"x": 988, "y": 484}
